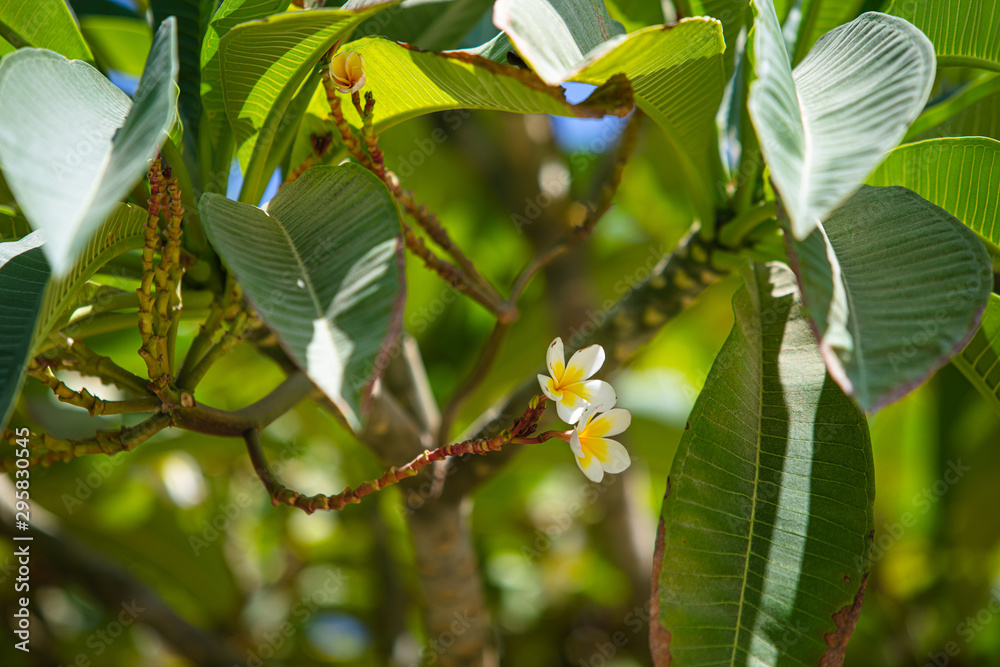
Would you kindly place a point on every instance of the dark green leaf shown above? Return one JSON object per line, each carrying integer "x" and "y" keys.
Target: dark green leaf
{"x": 894, "y": 286}
{"x": 23, "y": 276}
{"x": 323, "y": 271}
{"x": 192, "y": 21}
{"x": 766, "y": 528}
{"x": 434, "y": 25}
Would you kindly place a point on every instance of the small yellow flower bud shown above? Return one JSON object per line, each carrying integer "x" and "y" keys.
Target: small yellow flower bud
{"x": 347, "y": 71}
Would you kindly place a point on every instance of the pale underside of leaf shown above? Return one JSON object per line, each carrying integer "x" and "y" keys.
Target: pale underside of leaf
{"x": 768, "y": 518}
{"x": 824, "y": 127}
{"x": 73, "y": 145}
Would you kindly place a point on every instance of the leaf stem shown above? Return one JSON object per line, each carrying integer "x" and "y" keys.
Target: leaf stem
{"x": 734, "y": 232}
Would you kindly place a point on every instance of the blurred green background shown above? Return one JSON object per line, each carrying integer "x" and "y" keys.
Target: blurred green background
{"x": 185, "y": 515}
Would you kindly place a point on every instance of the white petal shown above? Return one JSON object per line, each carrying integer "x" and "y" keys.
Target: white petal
{"x": 545, "y": 381}
{"x": 591, "y": 467}
{"x": 616, "y": 457}
{"x": 555, "y": 359}
{"x": 589, "y": 360}
{"x": 570, "y": 413}
{"x": 596, "y": 392}
{"x": 611, "y": 422}
{"x": 574, "y": 443}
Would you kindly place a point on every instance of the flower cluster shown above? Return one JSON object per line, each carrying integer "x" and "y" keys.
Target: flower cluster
{"x": 590, "y": 406}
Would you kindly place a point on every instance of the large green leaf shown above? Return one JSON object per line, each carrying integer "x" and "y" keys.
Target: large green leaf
{"x": 824, "y": 127}
{"x": 972, "y": 112}
{"x": 894, "y": 286}
{"x": 555, "y": 36}
{"x": 980, "y": 360}
{"x": 676, "y": 72}
{"x": 964, "y": 33}
{"x": 230, "y": 14}
{"x": 763, "y": 546}
{"x": 72, "y": 145}
{"x": 263, "y": 64}
{"x": 42, "y": 24}
{"x": 192, "y": 21}
{"x": 324, "y": 271}
{"x": 23, "y": 276}
{"x": 407, "y": 83}
{"x": 427, "y": 24}
{"x": 635, "y": 14}
{"x": 119, "y": 42}
{"x": 122, "y": 231}
{"x": 957, "y": 174}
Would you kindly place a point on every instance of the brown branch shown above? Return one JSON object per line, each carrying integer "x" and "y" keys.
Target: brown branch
{"x": 280, "y": 494}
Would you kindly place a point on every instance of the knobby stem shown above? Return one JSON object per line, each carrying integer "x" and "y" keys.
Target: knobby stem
{"x": 520, "y": 431}
{"x": 464, "y": 277}
{"x": 104, "y": 442}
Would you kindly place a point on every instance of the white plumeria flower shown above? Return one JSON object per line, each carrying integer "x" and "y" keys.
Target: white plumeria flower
{"x": 569, "y": 385}
{"x": 595, "y": 453}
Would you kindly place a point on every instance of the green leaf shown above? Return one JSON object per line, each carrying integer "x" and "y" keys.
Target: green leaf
{"x": 765, "y": 531}
{"x": 824, "y": 127}
{"x": 434, "y": 25}
{"x": 324, "y": 271}
{"x": 122, "y": 231}
{"x": 894, "y": 286}
{"x": 676, "y": 72}
{"x": 119, "y": 42}
{"x": 192, "y": 21}
{"x": 42, "y": 24}
{"x": 635, "y": 14}
{"x": 973, "y": 112}
{"x": 23, "y": 276}
{"x": 73, "y": 145}
{"x": 980, "y": 360}
{"x": 263, "y": 64}
{"x": 555, "y": 36}
{"x": 957, "y": 174}
{"x": 820, "y": 17}
{"x": 965, "y": 34}
{"x": 408, "y": 83}
{"x": 230, "y": 14}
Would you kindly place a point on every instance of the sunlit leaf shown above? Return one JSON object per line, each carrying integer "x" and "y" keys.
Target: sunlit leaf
{"x": 980, "y": 360}
{"x": 230, "y": 14}
{"x": 119, "y": 42}
{"x": 766, "y": 528}
{"x": 42, "y": 24}
{"x": 263, "y": 64}
{"x": 965, "y": 34}
{"x": 676, "y": 72}
{"x": 23, "y": 276}
{"x": 894, "y": 286}
{"x": 957, "y": 174}
{"x": 73, "y": 145}
{"x": 323, "y": 271}
{"x": 824, "y": 127}
{"x": 554, "y": 36}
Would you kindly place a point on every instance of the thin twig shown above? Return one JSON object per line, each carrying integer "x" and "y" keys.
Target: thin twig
{"x": 86, "y": 400}
{"x": 523, "y": 427}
